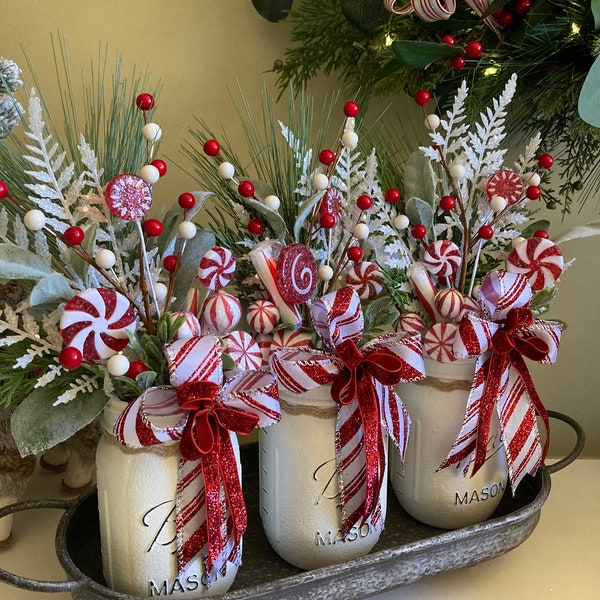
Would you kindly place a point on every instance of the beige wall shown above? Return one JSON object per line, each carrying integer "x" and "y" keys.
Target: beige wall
{"x": 199, "y": 48}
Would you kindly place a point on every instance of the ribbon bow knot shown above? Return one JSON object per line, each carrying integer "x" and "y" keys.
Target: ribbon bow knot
{"x": 362, "y": 380}
{"x": 500, "y": 339}
{"x": 202, "y": 414}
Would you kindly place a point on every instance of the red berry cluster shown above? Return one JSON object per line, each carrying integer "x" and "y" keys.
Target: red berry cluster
{"x": 506, "y": 15}
{"x": 473, "y": 49}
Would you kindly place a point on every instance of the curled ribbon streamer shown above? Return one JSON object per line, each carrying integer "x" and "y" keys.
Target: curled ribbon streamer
{"x": 362, "y": 381}
{"x": 502, "y": 380}
{"x": 201, "y": 413}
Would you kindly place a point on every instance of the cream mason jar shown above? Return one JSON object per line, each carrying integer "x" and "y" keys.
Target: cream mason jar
{"x": 136, "y": 502}
{"x": 447, "y": 498}
{"x": 299, "y": 495}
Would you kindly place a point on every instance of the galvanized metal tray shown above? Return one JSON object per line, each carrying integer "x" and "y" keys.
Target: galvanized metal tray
{"x": 407, "y": 549}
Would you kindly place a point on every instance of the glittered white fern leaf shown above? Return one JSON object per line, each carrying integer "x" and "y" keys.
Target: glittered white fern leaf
{"x": 85, "y": 384}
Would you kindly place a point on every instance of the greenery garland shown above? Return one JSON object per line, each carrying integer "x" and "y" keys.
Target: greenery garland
{"x": 551, "y": 48}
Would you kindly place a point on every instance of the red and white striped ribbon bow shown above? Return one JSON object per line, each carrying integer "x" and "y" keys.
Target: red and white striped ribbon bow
{"x": 500, "y": 341}
{"x": 200, "y": 412}
{"x": 362, "y": 381}
{"x": 439, "y": 10}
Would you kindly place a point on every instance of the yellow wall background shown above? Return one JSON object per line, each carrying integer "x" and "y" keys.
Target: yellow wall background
{"x": 199, "y": 49}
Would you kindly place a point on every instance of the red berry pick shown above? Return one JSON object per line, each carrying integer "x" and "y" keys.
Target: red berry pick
{"x": 364, "y": 202}
{"x": 447, "y": 203}
{"x": 135, "y": 368}
{"x": 211, "y": 148}
{"x": 448, "y": 40}
{"x": 326, "y": 157}
{"x": 145, "y": 101}
{"x": 327, "y": 220}
{"x": 545, "y": 161}
{"x": 419, "y": 232}
{"x": 73, "y": 236}
{"x": 392, "y": 195}
{"x": 186, "y": 200}
{"x": 160, "y": 165}
{"x": 246, "y": 189}
{"x": 541, "y": 233}
{"x": 458, "y": 62}
{"x": 473, "y": 49}
{"x": 533, "y": 192}
{"x": 170, "y": 262}
{"x": 153, "y": 227}
{"x": 486, "y": 232}
{"x": 70, "y": 357}
{"x": 351, "y": 109}
{"x": 3, "y": 190}
{"x": 255, "y": 226}
{"x": 354, "y": 253}
{"x": 422, "y": 97}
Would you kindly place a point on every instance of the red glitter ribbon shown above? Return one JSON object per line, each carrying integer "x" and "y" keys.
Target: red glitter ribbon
{"x": 362, "y": 381}
{"x": 502, "y": 380}
{"x": 210, "y": 510}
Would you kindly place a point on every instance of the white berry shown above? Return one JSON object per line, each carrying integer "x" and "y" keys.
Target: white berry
{"x": 498, "y": 203}
{"x": 518, "y": 240}
{"x": 226, "y": 170}
{"x": 152, "y": 132}
{"x": 350, "y": 139}
{"x": 432, "y": 122}
{"x": 401, "y": 222}
{"x": 186, "y": 230}
{"x": 150, "y": 174}
{"x": 118, "y": 365}
{"x": 531, "y": 179}
{"x": 34, "y": 220}
{"x": 457, "y": 171}
{"x": 325, "y": 273}
{"x": 105, "y": 259}
{"x": 272, "y": 202}
{"x": 320, "y": 181}
{"x": 160, "y": 289}
{"x": 361, "y": 231}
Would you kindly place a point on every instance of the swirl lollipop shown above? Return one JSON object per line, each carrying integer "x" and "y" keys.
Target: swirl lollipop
{"x": 128, "y": 197}
{"x": 442, "y": 258}
{"x": 96, "y": 322}
{"x": 365, "y": 277}
{"x": 285, "y": 338}
{"x": 539, "y": 259}
{"x": 296, "y": 273}
{"x": 189, "y": 328}
{"x": 216, "y": 268}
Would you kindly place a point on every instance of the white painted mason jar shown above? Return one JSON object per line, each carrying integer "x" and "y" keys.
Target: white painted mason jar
{"x": 299, "y": 494}
{"x": 446, "y": 498}
{"x": 136, "y": 502}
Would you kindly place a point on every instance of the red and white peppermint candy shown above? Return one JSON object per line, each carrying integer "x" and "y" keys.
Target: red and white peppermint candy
{"x": 262, "y": 316}
{"x": 128, "y": 197}
{"x": 411, "y": 322}
{"x": 449, "y": 303}
{"x": 539, "y": 259}
{"x": 189, "y": 328}
{"x": 439, "y": 340}
{"x": 296, "y": 273}
{"x": 285, "y": 338}
{"x": 264, "y": 343}
{"x": 216, "y": 268}
{"x": 505, "y": 183}
{"x": 365, "y": 277}
{"x": 221, "y": 312}
{"x": 442, "y": 258}
{"x": 332, "y": 203}
{"x": 244, "y": 350}
{"x": 96, "y": 322}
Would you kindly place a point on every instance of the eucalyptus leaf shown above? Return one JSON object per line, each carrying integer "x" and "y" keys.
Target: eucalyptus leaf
{"x": 419, "y": 212}
{"x": 589, "y": 98}
{"x": 416, "y": 54}
{"x": 273, "y": 10}
{"x": 18, "y": 263}
{"x": 595, "y": 7}
{"x": 38, "y": 425}
{"x": 419, "y": 178}
{"x": 579, "y": 231}
{"x": 272, "y": 217}
{"x": 195, "y": 249}
{"x": 366, "y": 15}
{"x": 535, "y": 226}
{"x": 304, "y": 211}
{"x": 52, "y": 289}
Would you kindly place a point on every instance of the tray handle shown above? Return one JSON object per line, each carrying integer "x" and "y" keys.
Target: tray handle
{"x": 576, "y": 451}
{"x": 37, "y": 585}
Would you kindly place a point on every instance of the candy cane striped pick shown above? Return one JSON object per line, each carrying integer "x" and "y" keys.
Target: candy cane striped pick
{"x": 427, "y": 10}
